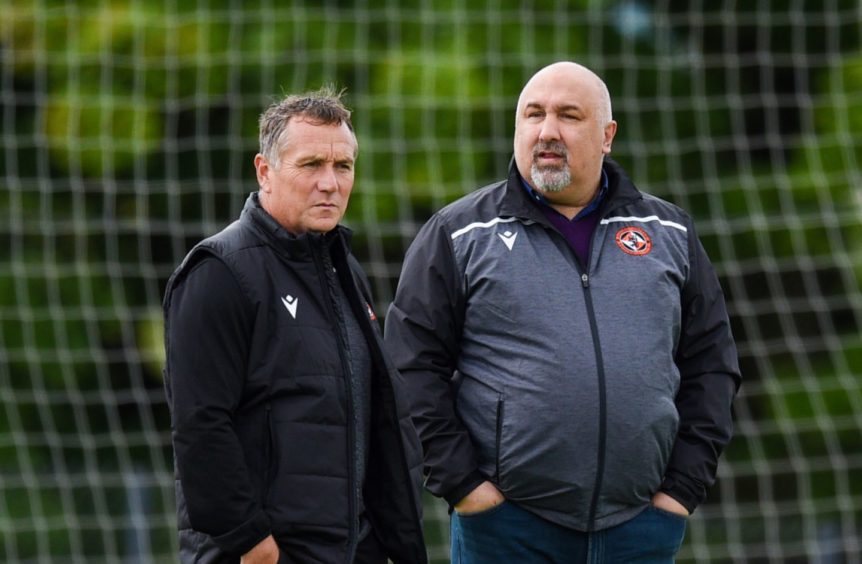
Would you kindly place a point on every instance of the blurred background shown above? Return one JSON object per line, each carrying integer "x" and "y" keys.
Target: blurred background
{"x": 127, "y": 132}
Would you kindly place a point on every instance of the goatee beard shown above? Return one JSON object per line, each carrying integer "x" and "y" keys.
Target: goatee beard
{"x": 551, "y": 178}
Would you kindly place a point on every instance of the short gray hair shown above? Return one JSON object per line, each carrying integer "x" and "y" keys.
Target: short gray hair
{"x": 321, "y": 107}
{"x": 605, "y": 112}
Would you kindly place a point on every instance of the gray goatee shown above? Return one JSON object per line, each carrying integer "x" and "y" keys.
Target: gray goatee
{"x": 551, "y": 178}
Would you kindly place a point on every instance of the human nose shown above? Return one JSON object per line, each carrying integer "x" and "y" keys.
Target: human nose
{"x": 328, "y": 182}
{"x": 550, "y": 129}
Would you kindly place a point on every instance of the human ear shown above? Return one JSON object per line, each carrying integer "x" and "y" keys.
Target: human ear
{"x": 610, "y": 132}
{"x": 261, "y": 166}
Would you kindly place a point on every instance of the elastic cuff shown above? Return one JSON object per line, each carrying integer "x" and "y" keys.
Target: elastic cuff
{"x": 688, "y": 491}
{"x": 470, "y": 483}
{"x": 245, "y": 537}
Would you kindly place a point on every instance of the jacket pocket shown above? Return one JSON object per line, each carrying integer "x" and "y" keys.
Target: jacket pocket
{"x": 309, "y": 483}
{"x": 499, "y": 437}
{"x": 478, "y": 407}
{"x": 270, "y": 468}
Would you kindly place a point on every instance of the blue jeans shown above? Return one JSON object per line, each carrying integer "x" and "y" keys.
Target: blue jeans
{"x": 507, "y": 533}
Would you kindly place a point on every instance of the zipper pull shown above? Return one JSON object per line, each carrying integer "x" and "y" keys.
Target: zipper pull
{"x": 585, "y": 280}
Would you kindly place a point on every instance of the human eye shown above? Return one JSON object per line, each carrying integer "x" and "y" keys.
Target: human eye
{"x": 571, "y": 113}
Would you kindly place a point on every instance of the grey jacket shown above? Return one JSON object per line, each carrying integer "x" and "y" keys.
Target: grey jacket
{"x": 579, "y": 390}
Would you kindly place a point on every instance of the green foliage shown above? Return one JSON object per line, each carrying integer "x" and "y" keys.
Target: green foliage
{"x": 151, "y": 340}
{"x": 97, "y": 134}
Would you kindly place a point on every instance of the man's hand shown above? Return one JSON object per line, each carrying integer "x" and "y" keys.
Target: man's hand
{"x": 264, "y": 552}
{"x": 669, "y": 504}
{"x": 484, "y": 497}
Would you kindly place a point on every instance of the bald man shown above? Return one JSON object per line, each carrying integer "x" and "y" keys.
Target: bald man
{"x": 566, "y": 346}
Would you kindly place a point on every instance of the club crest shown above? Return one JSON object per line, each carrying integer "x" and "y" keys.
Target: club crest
{"x": 634, "y": 241}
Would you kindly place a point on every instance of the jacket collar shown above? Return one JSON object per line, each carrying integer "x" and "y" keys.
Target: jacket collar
{"x": 285, "y": 242}
{"x": 517, "y": 203}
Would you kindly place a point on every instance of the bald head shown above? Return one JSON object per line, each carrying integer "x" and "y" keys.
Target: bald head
{"x": 569, "y": 71}
{"x": 563, "y": 130}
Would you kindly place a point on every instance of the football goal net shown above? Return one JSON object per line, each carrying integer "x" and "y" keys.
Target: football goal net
{"x": 127, "y": 133}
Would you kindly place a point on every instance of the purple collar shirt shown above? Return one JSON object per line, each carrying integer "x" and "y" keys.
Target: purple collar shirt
{"x": 578, "y": 231}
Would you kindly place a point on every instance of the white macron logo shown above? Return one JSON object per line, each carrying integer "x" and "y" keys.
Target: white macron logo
{"x": 508, "y": 238}
{"x": 290, "y": 303}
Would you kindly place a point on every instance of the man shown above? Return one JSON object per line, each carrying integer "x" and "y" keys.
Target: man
{"x": 292, "y": 437}
{"x": 566, "y": 347}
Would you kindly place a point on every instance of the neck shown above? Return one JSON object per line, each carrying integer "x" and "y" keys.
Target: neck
{"x": 571, "y": 200}
{"x": 568, "y": 211}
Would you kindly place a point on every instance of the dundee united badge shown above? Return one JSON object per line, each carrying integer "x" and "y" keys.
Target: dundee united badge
{"x": 634, "y": 241}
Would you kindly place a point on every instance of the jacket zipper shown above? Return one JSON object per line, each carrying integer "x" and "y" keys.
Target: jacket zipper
{"x": 402, "y": 451}
{"x": 600, "y": 372}
{"x": 323, "y": 261}
{"x": 600, "y": 377}
{"x": 611, "y": 205}
{"x": 376, "y": 350}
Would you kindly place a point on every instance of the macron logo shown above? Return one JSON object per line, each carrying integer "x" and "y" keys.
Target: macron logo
{"x": 290, "y": 303}
{"x": 508, "y": 238}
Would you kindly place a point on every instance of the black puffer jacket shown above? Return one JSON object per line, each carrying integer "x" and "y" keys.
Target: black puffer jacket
{"x": 261, "y": 405}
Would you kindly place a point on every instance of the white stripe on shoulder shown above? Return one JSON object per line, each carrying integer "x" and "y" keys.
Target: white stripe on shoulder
{"x": 491, "y": 223}
{"x": 619, "y": 219}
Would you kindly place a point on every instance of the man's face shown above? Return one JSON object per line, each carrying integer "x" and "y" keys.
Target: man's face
{"x": 560, "y": 134}
{"x": 308, "y": 189}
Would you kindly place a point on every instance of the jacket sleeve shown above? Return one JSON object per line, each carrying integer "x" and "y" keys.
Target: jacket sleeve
{"x": 422, "y": 332}
{"x": 208, "y": 329}
{"x": 709, "y": 379}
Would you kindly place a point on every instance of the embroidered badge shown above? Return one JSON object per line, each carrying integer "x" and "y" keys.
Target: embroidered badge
{"x": 634, "y": 241}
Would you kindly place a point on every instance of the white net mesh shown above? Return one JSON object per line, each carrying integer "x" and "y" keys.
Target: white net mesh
{"x": 127, "y": 131}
